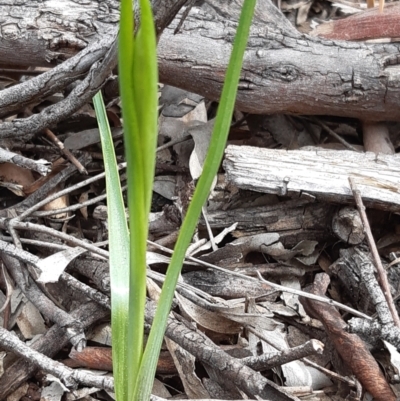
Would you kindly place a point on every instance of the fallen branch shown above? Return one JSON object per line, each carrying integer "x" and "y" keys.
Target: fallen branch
{"x": 321, "y": 173}
{"x": 284, "y": 71}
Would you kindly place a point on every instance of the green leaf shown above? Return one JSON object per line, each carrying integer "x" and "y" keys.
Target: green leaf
{"x": 119, "y": 252}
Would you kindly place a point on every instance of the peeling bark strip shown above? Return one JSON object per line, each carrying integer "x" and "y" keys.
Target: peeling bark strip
{"x": 323, "y": 174}
{"x": 349, "y": 346}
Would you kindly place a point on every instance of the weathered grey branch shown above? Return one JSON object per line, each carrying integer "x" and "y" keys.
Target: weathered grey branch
{"x": 55, "y": 339}
{"x": 39, "y": 30}
{"x": 284, "y": 71}
{"x": 35, "y": 89}
{"x": 323, "y": 174}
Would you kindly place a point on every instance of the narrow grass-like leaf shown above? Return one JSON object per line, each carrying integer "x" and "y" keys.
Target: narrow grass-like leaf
{"x": 145, "y": 79}
{"x": 210, "y": 168}
{"x": 126, "y": 50}
{"x": 119, "y": 252}
{"x": 138, "y": 86}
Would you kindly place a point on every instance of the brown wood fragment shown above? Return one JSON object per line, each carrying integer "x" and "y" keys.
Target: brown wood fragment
{"x": 91, "y": 357}
{"x": 370, "y": 24}
{"x": 101, "y": 358}
{"x": 349, "y": 346}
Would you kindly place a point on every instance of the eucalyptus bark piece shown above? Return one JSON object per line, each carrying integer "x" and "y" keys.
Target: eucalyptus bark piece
{"x": 100, "y": 358}
{"x": 369, "y": 24}
{"x": 323, "y": 174}
{"x": 221, "y": 284}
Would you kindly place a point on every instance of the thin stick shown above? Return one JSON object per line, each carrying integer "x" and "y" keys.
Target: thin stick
{"x": 334, "y": 134}
{"x": 318, "y": 298}
{"x": 62, "y": 148}
{"x": 67, "y": 153}
{"x": 382, "y": 277}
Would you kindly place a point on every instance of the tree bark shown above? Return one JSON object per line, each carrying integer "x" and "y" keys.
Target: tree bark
{"x": 284, "y": 71}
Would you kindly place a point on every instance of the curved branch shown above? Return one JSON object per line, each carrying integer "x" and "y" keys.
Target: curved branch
{"x": 52, "y": 81}
{"x": 47, "y": 83}
{"x": 79, "y": 96}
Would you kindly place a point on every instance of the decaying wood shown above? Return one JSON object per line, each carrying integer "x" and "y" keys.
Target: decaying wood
{"x": 375, "y": 331}
{"x": 230, "y": 369}
{"x": 323, "y": 174}
{"x": 43, "y": 303}
{"x": 284, "y": 71}
{"x": 355, "y": 271}
{"x": 294, "y": 220}
{"x": 42, "y": 33}
{"x": 353, "y": 264}
{"x": 381, "y": 272}
{"x": 199, "y": 346}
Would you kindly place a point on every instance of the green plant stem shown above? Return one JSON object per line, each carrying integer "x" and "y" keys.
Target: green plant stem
{"x": 138, "y": 86}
